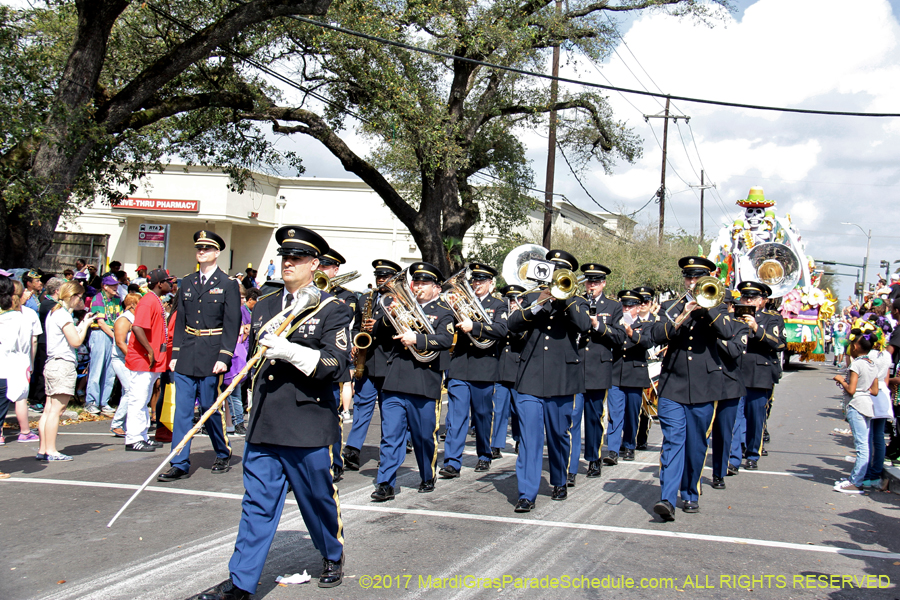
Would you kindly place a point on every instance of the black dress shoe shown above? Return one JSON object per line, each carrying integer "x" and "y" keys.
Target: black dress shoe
{"x": 517, "y": 447}
{"x": 409, "y": 446}
{"x": 426, "y": 486}
{"x": 140, "y": 446}
{"x": 766, "y": 437}
{"x": 763, "y": 452}
{"x": 751, "y": 465}
{"x": 337, "y": 473}
{"x": 718, "y": 483}
{"x": 629, "y": 454}
{"x": 221, "y": 466}
{"x": 495, "y": 454}
{"x": 570, "y": 480}
{"x": 173, "y": 474}
{"x": 448, "y": 472}
{"x": 611, "y": 458}
{"x": 471, "y": 431}
{"x": 351, "y": 458}
{"x": 594, "y": 469}
{"x": 524, "y": 505}
{"x": 690, "y": 507}
{"x": 665, "y": 510}
{"x": 383, "y": 492}
{"x": 482, "y": 466}
{"x": 443, "y": 436}
{"x": 641, "y": 447}
{"x": 560, "y": 492}
{"x": 332, "y": 573}
{"x": 224, "y": 591}
{"x": 732, "y": 470}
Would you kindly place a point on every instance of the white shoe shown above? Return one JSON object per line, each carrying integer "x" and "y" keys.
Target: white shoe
{"x": 92, "y": 409}
{"x": 845, "y": 487}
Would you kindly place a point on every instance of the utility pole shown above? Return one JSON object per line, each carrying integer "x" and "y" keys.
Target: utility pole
{"x": 665, "y": 116}
{"x": 702, "y": 187}
{"x": 551, "y": 150}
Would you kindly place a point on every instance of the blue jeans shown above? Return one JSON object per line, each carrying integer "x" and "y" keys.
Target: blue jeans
{"x": 876, "y": 450}
{"x": 859, "y": 425}
{"x": 235, "y": 404}
{"x": 101, "y": 376}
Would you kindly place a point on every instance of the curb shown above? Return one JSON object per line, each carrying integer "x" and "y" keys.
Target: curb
{"x": 892, "y": 474}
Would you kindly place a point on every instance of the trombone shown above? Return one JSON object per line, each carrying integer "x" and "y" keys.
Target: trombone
{"x": 564, "y": 285}
{"x": 327, "y": 284}
{"x": 708, "y": 292}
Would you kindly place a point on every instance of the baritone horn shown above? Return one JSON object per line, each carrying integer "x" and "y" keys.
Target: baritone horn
{"x": 465, "y": 305}
{"x": 405, "y": 313}
{"x": 708, "y": 292}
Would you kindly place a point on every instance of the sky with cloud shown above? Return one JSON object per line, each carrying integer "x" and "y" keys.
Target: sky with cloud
{"x": 823, "y": 170}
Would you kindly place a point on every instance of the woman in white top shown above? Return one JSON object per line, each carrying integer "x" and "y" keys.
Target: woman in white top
{"x": 18, "y": 335}
{"x": 122, "y": 332}
{"x": 882, "y": 412}
{"x": 63, "y": 340}
{"x": 12, "y": 324}
{"x": 858, "y": 406}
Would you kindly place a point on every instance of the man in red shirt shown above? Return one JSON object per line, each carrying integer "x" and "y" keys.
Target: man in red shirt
{"x": 147, "y": 357}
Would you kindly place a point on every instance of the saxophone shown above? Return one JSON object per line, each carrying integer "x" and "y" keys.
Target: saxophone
{"x": 363, "y": 340}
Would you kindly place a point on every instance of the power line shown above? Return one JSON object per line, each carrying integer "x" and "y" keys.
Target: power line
{"x": 575, "y": 175}
{"x": 518, "y": 71}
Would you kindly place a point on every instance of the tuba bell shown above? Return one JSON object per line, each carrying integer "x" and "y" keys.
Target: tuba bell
{"x": 773, "y": 264}
{"x": 465, "y": 305}
{"x": 515, "y": 265}
{"x": 708, "y": 292}
{"x": 404, "y": 313}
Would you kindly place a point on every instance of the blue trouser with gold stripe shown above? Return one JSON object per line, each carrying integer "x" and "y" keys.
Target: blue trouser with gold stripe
{"x": 575, "y": 434}
{"x": 723, "y": 434}
{"x": 615, "y": 404}
{"x": 553, "y": 414}
{"x": 739, "y": 433}
{"x": 460, "y": 395}
{"x": 268, "y": 470}
{"x": 502, "y": 405}
{"x": 420, "y": 415}
{"x": 632, "y": 413}
{"x": 593, "y": 423}
{"x": 336, "y": 447}
{"x": 685, "y": 429}
{"x": 367, "y": 395}
{"x": 755, "y": 409}
{"x": 188, "y": 388}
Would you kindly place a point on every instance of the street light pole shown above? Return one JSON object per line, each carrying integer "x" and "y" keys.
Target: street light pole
{"x": 865, "y": 264}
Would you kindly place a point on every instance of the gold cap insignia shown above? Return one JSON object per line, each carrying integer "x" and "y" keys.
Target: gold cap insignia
{"x": 291, "y": 233}
{"x": 202, "y": 234}
{"x": 691, "y": 261}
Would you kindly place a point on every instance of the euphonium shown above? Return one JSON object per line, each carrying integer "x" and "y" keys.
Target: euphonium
{"x": 405, "y": 314}
{"x": 465, "y": 304}
{"x": 564, "y": 285}
{"x": 708, "y": 292}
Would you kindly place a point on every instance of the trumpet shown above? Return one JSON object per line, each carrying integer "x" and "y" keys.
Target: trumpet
{"x": 464, "y": 304}
{"x": 708, "y": 292}
{"x": 402, "y": 308}
{"x": 564, "y": 285}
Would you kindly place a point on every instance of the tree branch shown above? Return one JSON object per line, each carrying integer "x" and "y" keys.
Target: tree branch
{"x": 314, "y": 126}
{"x": 603, "y": 140}
{"x": 172, "y": 106}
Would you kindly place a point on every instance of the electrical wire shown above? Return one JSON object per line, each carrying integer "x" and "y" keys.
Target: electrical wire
{"x": 590, "y": 84}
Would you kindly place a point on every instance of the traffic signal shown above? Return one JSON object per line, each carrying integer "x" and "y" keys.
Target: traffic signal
{"x": 859, "y": 288}
{"x": 885, "y": 264}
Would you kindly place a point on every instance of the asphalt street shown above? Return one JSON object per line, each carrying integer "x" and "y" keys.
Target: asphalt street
{"x": 780, "y": 532}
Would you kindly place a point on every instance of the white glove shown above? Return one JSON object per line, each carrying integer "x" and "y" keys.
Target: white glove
{"x": 304, "y": 359}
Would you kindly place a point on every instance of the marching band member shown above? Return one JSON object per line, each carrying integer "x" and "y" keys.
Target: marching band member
{"x": 207, "y": 324}
{"x": 412, "y": 389}
{"x": 598, "y": 347}
{"x": 730, "y": 351}
{"x": 293, "y": 424}
{"x": 646, "y": 315}
{"x": 330, "y": 263}
{"x": 760, "y": 366}
{"x": 550, "y": 374}
{"x": 630, "y": 373}
{"x": 471, "y": 377}
{"x": 689, "y": 385}
{"x": 505, "y": 388}
{"x": 368, "y": 388}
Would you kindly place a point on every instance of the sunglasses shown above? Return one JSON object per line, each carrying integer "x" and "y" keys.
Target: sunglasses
{"x": 205, "y": 248}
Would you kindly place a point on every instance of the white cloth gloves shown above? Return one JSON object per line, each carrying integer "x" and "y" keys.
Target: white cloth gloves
{"x": 304, "y": 359}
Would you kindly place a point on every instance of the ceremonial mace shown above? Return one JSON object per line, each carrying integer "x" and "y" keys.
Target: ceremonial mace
{"x": 288, "y": 315}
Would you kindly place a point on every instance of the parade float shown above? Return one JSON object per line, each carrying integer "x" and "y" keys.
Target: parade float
{"x": 760, "y": 246}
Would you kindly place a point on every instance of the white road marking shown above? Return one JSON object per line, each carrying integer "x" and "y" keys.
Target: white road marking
{"x": 786, "y": 474}
{"x": 505, "y": 520}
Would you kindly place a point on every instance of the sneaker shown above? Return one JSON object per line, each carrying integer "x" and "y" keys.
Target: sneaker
{"x": 92, "y": 409}
{"x": 59, "y": 456}
{"x": 845, "y": 487}
{"x": 28, "y": 437}
{"x": 40, "y": 456}
{"x": 139, "y": 446}
{"x": 240, "y": 429}
{"x": 108, "y": 410}
{"x": 345, "y": 417}
{"x": 2, "y": 440}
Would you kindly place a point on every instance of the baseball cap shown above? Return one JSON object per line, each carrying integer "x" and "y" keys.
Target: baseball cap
{"x": 159, "y": 275}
